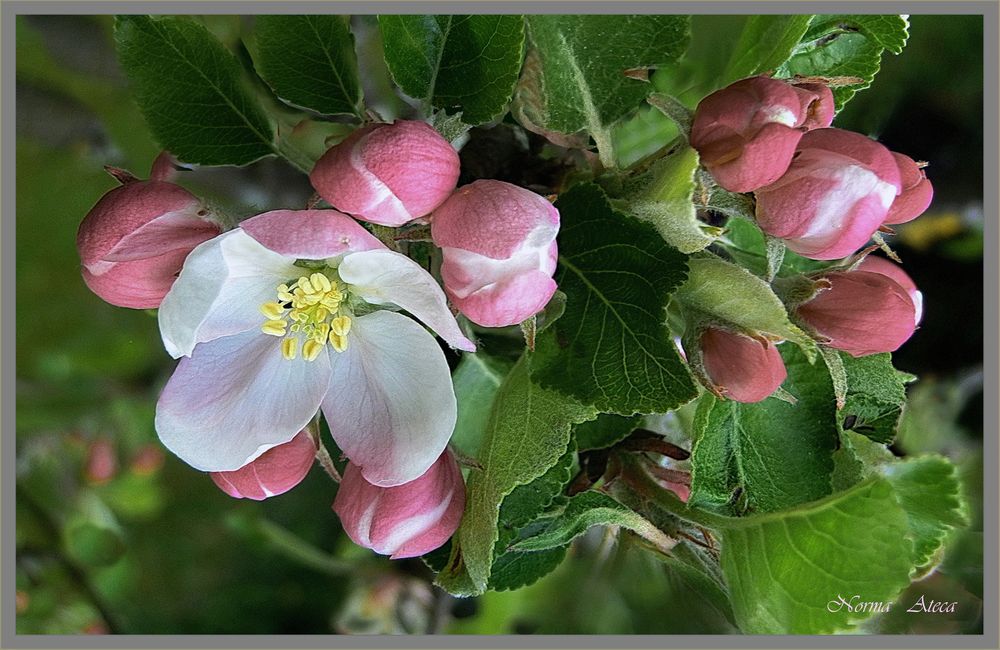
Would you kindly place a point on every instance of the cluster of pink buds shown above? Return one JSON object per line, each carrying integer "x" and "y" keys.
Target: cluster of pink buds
{"x": 497, "y": 240}
{"x": 825, "y": 192}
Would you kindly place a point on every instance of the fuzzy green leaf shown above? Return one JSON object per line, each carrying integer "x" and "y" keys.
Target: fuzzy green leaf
{"x": 604, "y": 431}
{"x": 476, "y": 380}
{"x": 875, "y": 395}
{"x": 527, "y": 433}
{"x": 847, "y": 46}
{"x": 459, "y": 63}
{"x": 189, "y": 89}
{"x": 770, "y": 454}
{"x": 784, "y": 568}
{"x": 611, "y": 347}
{"x": 764, "y": 44}
{"x": 574, "y": 78}
{"x": 310, "y": 62}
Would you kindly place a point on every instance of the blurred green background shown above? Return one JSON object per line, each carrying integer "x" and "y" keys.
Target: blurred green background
{"x": 116, "y": 536}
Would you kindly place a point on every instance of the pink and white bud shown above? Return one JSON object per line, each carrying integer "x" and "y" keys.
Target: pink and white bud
{"x": 742, "y": 368}
{"x": 388, "y": 174}
{"x": 916, "y": 195}
{"x": 861, "y": 313}
{"x": 885, "y": 267}
{"x": 406, "y": 520}
{"x": 746, "y": 133}
{"x": 834, "y": 196}
{"x": 102, "y": 461}
{"x": 274, "y": 472}
{"x": 498, "y": 243}
{"x": 133, "y": 242}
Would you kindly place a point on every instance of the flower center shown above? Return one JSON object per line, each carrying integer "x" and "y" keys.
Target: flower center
{"x": 308, "y": 310}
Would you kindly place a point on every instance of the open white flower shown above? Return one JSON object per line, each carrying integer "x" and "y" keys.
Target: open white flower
{"x": 284, "y": 316}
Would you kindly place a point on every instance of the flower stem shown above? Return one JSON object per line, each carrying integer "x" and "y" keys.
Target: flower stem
{"x": 303, "y": 552}
{"x": 323, "y": 456}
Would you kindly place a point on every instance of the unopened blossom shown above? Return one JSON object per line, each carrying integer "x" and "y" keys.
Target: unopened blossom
{"x": 916, "y": 194}
{"x": 275, "y": 472}
{"x": 293, "y": 312}
{"x": 742, "y": 368}
{"x": 405, "y": 520}
{"x": 834, "y": 196}
{"x": 133, "y": 242}
{"x": 894, "y": 271}
{"x": 746, "y": 133}
{"x": 499, "y": 251}
{"x": 861, "y": 313}
{"x": 388, "y": 174}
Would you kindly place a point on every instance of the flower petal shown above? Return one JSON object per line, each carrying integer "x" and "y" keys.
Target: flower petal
{"x": 391, "y": 406}
{"x": 384, "y": 276}
{"x": 310, "y": 234}
{"x": 220, "y": 290}
{"x": 235, "y": 398}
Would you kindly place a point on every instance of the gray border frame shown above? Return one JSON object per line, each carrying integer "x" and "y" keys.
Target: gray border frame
{"x": 991, "y": 300}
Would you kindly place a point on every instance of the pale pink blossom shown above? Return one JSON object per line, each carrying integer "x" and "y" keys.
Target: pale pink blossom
{"x": 297, "y": 311}
{"x": 275, "y": 472}
{"x": 498, "y": 244}
{"x": 133, "y": 242}
{"x": 405, "y": 520}
{"x": 388, "y": 174}
{"x": 894, "y": 271}
{"x": 743, "y": 369}
{"x": 834, "y": 196}
{"x": 861, "y": 313}
{"x": 746, "y": 133}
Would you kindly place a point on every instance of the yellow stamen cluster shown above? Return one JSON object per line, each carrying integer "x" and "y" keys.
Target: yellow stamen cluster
{"x": 308, "y": 309}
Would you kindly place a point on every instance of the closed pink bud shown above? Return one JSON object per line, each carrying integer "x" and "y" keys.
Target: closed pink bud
{"x": 102, "y": 461}
{"x": 405, "y": 520}
{"x": 834, "y": 196}
{"x": 274, "y": 472}
{"x": 747, "y": 132}
{"x": 861, "y": 313}
{"x": 744, "y": 369}
{"x": 916, "y": 195}
{"x": 388, "y": 174}
{"x": 885, "y": 267}
{"x": 498, "y": 244}
{"x": 133, "y": 242}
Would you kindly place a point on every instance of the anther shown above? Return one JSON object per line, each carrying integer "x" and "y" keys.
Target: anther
{"x": 311, "y": 350}
{"x": 289, "y": 348}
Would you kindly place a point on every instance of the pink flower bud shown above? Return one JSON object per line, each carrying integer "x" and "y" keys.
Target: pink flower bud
{"x": 102, "y": 461}
{"x": 885, "y": 267}
{"x": 498, "y": 243}
{"x": 861, "y": 313}
{"x": 388, "y": 174}
{"x": 916, "y": 195}
{"x": 133, "y": 242}
{"x": 747, "y": 132}
{"x": 274, "y": 472}
{"x": 406, "y": 520}
{"x": 744, "y": 369}
{"x": 834, "y": 196}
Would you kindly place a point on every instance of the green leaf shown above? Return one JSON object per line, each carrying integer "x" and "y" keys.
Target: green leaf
{"x": 929, "y": 490}
{"x": 514, "y": 570}
{"x": 876, "y": 393}
{"x": 574, "y": 78}
{"x": 476, "y": 380}
{"x": 189, "y": 89}
{"x": 784, "y": 569}
{"x": 666, "y": 202}
{"x": 528, "y": 431}
{"x": 771, "y": 454}
{"x": 590, "y": 509}
{"x": 460, "y": 63}
{"x": 846, "y": 46}
{"x": 529, "y": 500}
{"x": 733, "y": 294}
{"x": 765, "y": 43}
{"x": 604, "y": 431}
{"x": 310, "y": 62}
{"x": 611, "y": 347}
